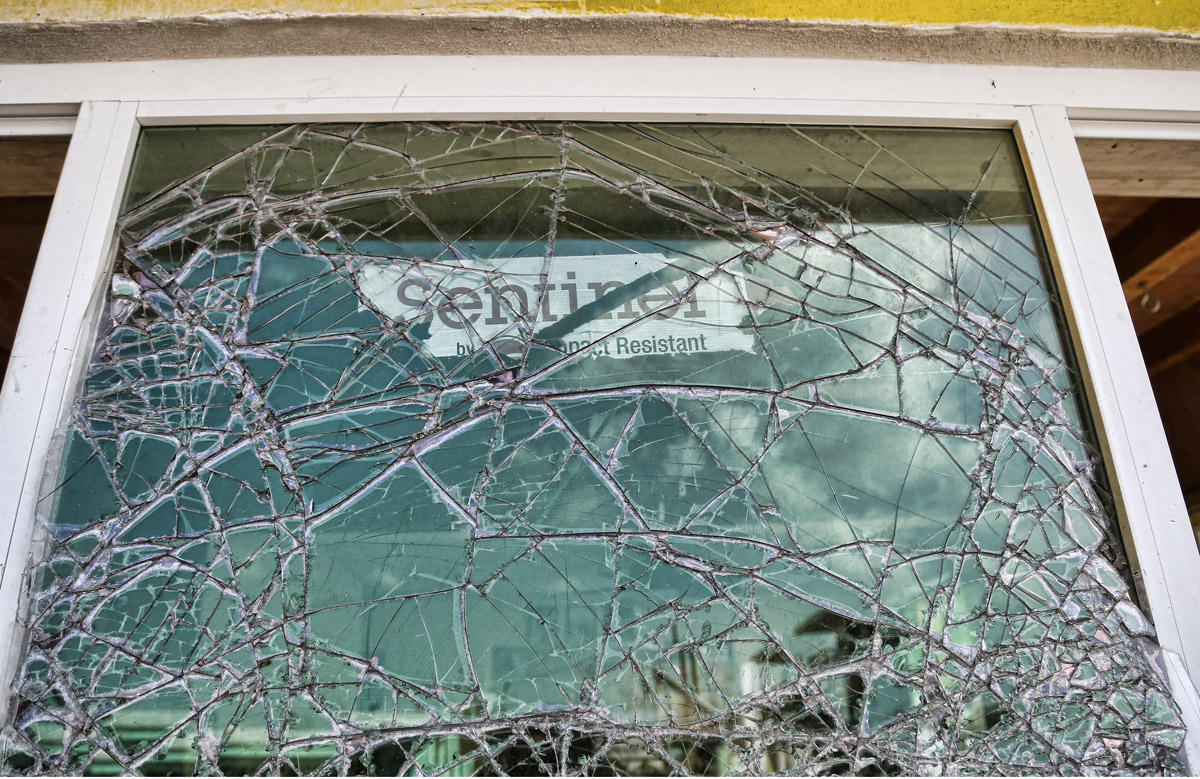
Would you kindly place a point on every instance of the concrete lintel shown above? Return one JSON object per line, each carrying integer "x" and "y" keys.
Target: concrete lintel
{"x": 367, "y": 34}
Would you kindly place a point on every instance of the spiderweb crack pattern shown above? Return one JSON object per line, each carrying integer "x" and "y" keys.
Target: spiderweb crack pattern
{"x": 580, "y": 449}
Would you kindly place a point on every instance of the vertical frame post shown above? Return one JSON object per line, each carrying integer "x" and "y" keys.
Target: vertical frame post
{"x": 53, "y": 341}
{"x": 1148, "y": 498}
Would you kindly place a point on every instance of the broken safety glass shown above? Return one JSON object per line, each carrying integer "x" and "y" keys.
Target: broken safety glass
{"x": 582, "y": 449}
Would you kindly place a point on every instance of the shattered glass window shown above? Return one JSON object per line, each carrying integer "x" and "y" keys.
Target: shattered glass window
{"x": 582, "y": 449}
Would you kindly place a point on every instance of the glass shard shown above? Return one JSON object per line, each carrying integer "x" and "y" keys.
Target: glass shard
{"x": 583, "y": 449}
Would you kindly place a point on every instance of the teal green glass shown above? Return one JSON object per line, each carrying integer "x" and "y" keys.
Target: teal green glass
{"x": 583, "y": 449}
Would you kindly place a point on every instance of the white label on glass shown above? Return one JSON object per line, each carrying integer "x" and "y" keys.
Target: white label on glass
{"x": 616, "y": 305}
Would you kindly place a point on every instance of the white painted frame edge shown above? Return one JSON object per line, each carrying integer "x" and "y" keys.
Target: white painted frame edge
{"x": 1149, "y": 500}
{"x": 394, "y": 81}
{"x": 1148, "y": 130}
{"x": 24, "y": 126}
{"x": 54, "y": 339}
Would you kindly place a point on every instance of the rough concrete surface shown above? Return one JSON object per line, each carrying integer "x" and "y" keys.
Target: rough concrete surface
{"x": 359, "y": 34}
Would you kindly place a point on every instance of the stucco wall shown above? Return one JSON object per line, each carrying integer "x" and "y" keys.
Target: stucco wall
{"x": 1174, "y": 16}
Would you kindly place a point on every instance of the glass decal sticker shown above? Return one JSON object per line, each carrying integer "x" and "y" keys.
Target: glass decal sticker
{"x": 582, "y": 449}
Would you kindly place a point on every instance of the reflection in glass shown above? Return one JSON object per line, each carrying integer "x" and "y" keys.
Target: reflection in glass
{"x": 582, "y": 449}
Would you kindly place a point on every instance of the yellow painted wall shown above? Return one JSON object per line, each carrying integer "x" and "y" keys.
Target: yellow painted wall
{"x": 1178, "y": 16}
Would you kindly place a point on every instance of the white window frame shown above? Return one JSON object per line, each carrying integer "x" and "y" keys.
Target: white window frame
{"x": 1045, "y": 107}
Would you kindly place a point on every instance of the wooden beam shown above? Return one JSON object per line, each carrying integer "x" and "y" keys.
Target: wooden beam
{"x": 1118, "y": 212}
{"x": 1142, "y": 167}
{"x": 1158, "y": 243}
{"x": 30, "y": 166}
{"x": 1192, "y": 499}
{"x": 1173, "y": 341}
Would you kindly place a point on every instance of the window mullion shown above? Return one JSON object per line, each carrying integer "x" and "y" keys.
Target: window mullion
{"x": 54, "y": 338}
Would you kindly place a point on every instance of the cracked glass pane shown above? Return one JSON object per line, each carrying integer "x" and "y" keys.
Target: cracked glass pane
{"x": 583, "y": 449}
